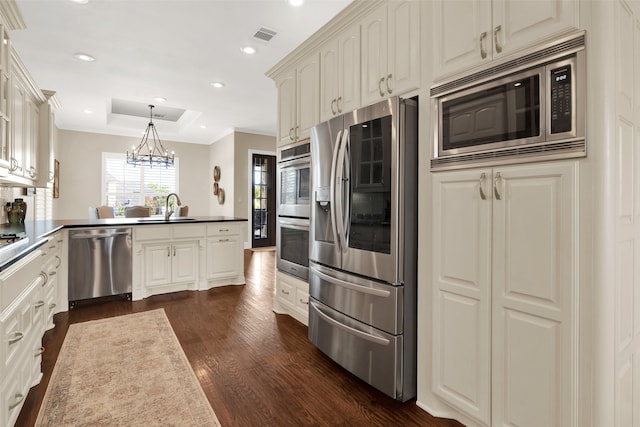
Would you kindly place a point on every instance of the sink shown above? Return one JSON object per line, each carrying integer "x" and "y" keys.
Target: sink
{"x": 172, "y": 219}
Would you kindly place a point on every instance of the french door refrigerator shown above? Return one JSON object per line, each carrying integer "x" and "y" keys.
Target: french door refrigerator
{"x": 363, "y": 243}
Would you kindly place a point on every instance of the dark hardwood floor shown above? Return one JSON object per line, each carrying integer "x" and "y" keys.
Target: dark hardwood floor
{"x": 256, "y": 367}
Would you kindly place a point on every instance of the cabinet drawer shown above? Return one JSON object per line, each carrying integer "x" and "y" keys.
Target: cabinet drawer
{"x": 302, "y": 300}
{"x": 223, "y": 229}
{"x": 18, "y": 277}
{"x": 12, "y": 395}
{"x": 151, "y": 233}
{"x": 188, "y": 231}
{"x": 286, "y": 292}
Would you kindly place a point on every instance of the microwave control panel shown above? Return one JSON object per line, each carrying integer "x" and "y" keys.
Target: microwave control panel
{"x": 561, "y": 106}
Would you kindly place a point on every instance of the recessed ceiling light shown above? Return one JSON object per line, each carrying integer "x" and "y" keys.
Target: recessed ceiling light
{"x": 87, "y": 111}
{"x": 80, "y": 1}
{"x": 217, "y": 85}
{"x": 84, "y": 57}
{"x": 203, "y": 127}
{"x": 248, "y": 50}
{"x": 296, "y": 2}
{"x": 160, "y": 99}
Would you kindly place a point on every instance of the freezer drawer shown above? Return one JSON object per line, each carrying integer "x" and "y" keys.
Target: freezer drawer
{"x": 372, "y": 355}
{"x": 377, "y": 304}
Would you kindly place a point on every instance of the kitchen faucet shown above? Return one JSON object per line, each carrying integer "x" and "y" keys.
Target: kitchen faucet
{"x": 167, "y": 211}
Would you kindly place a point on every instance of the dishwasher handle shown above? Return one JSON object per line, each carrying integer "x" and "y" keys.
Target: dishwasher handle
{"x": 99, "y": 236}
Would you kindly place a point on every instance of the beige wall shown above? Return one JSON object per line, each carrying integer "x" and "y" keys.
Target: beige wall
{"x": 221, "y": 154}
{"x": 232, "y": 154}
{"x": 80, "y": 156}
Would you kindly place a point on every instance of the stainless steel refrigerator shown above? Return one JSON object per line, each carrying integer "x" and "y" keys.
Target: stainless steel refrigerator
{"x": 363, "y": 243}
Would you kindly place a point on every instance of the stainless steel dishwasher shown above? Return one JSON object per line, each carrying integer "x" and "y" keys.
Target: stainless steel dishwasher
{"x": 99, "y": 263}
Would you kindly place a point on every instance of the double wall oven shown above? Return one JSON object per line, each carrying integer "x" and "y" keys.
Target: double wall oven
{"x": 292, "y": 234}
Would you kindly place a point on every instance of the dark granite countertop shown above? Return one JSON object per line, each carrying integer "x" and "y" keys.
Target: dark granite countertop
{"x": 37, "y": 231}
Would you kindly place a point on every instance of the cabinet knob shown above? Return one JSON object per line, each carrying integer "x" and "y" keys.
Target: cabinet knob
{"x": 339, "y": 104}
{"x": 285, "y": 292}
{"x": 483, "y": 196}
{"x": 380, "y": 86}
{"x": 18, "y": 398}
{"x": 334, "y": 109}
{"x": 495, "y": 38}
{"x": 496, "y": 191}
{"x": 389, "y": 86}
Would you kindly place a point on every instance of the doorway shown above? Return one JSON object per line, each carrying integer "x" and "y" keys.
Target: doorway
{"x": 263, "y": 204}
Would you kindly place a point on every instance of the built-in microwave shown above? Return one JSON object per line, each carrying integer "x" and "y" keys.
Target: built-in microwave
{"x": 529, "y": 108}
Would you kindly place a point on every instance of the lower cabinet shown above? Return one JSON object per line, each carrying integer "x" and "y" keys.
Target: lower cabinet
{"x": 505, "y": 293}
{"x": 166, "y": 259}
{"x": 170, "y": 258}
{"x": 292, "y": 297}
{"x": 23, "y": 316}
{"x": 51, "y": 266}
{"x": 225, "y": 254}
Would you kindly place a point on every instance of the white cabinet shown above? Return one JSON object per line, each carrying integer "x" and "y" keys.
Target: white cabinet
{"x": 390, "y": 51}
{"x": 504, "y": 293}
{"x": 469, "y": 33}
{"x": 22, "y": 324}
{"x": 25, "y": 124}
{"x": 51, "y": 267}
{"x": 47, "y": 141}
{"x": 5, "y": 96}
{"x": 170, "y": 263}
{"x": 166, "y": 258}
{"x": 292, "y": 297}
{"x": 225, "y": 253}
{"x": 340, "y": 74}
{"x": 298, "y": 101}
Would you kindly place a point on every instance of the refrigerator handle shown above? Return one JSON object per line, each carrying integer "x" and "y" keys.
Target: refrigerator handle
{"x": 340, "y": 181}
{"x": 348, "y": 329}
{"x": 332, "y": 196}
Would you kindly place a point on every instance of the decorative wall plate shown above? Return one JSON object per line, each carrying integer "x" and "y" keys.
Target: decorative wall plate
{"x": 216, "y": 173}
{"x": 221, "y": 196}
{"x": 216, "y": 189}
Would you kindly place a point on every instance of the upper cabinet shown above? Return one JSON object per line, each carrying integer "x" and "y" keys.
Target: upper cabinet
{"x": 47, "y": 141}
{"x": 469, "y": 33}
{"x": 5, "y": 96}
{"x": 298, "y": 101}
{"x": 340, "y": 74}
{"x": 25, "y": 125}
{"x": 390, "y": 51}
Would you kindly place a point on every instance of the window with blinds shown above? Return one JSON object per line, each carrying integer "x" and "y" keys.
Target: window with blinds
{"x": 127, "y": 185}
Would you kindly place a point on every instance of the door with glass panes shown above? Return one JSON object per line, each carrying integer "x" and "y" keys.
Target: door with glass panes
{"x": 263, "y": 215}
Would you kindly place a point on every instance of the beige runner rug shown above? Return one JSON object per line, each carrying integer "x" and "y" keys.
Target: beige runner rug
{"x": 124, "y": 371}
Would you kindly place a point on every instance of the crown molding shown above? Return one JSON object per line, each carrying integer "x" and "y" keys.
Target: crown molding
{"x": 11, "y": 15}
{"x": 350, "y": 15}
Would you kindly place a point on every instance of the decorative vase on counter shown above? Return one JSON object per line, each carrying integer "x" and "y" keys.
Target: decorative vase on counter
{"x": 16, "y": 211}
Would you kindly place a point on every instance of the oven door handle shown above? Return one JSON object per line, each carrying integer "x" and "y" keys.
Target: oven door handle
{"x": 301, "y": 161}
{"x": 349, "y": 329}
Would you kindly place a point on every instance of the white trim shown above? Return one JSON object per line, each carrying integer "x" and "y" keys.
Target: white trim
{"x": 247, "y": 243}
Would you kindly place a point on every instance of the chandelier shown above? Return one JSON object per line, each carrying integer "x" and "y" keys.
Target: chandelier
{"x": 150, "y": 154}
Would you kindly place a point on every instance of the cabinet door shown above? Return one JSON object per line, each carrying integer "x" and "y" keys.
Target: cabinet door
{"x": 374, "y": 56}
{"x": 223, "y": 260}
{"x": 519, "y": 24}
{"x": 184, "y": 262}
{"x": 157, "y": 265}
{"x": 349, "y": 71}
{"x": 286, "y": 108}
{"x": 461, "y": 290}
{"x": 307, "y": 96}
{"x": 32, "y": 126}
{"x": 329, "y": 81}
{"x": 18, "y": 97}
{"x": 534, "y": 264}
{"x": 403, "y": 69}
{"x": 460, "y": 35}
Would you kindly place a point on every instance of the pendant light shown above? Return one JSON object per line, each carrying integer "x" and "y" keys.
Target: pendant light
{"x": 150, "y": 154}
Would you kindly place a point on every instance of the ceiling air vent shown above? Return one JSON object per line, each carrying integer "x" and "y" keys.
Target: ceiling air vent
{"x": 264, "y": 34}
